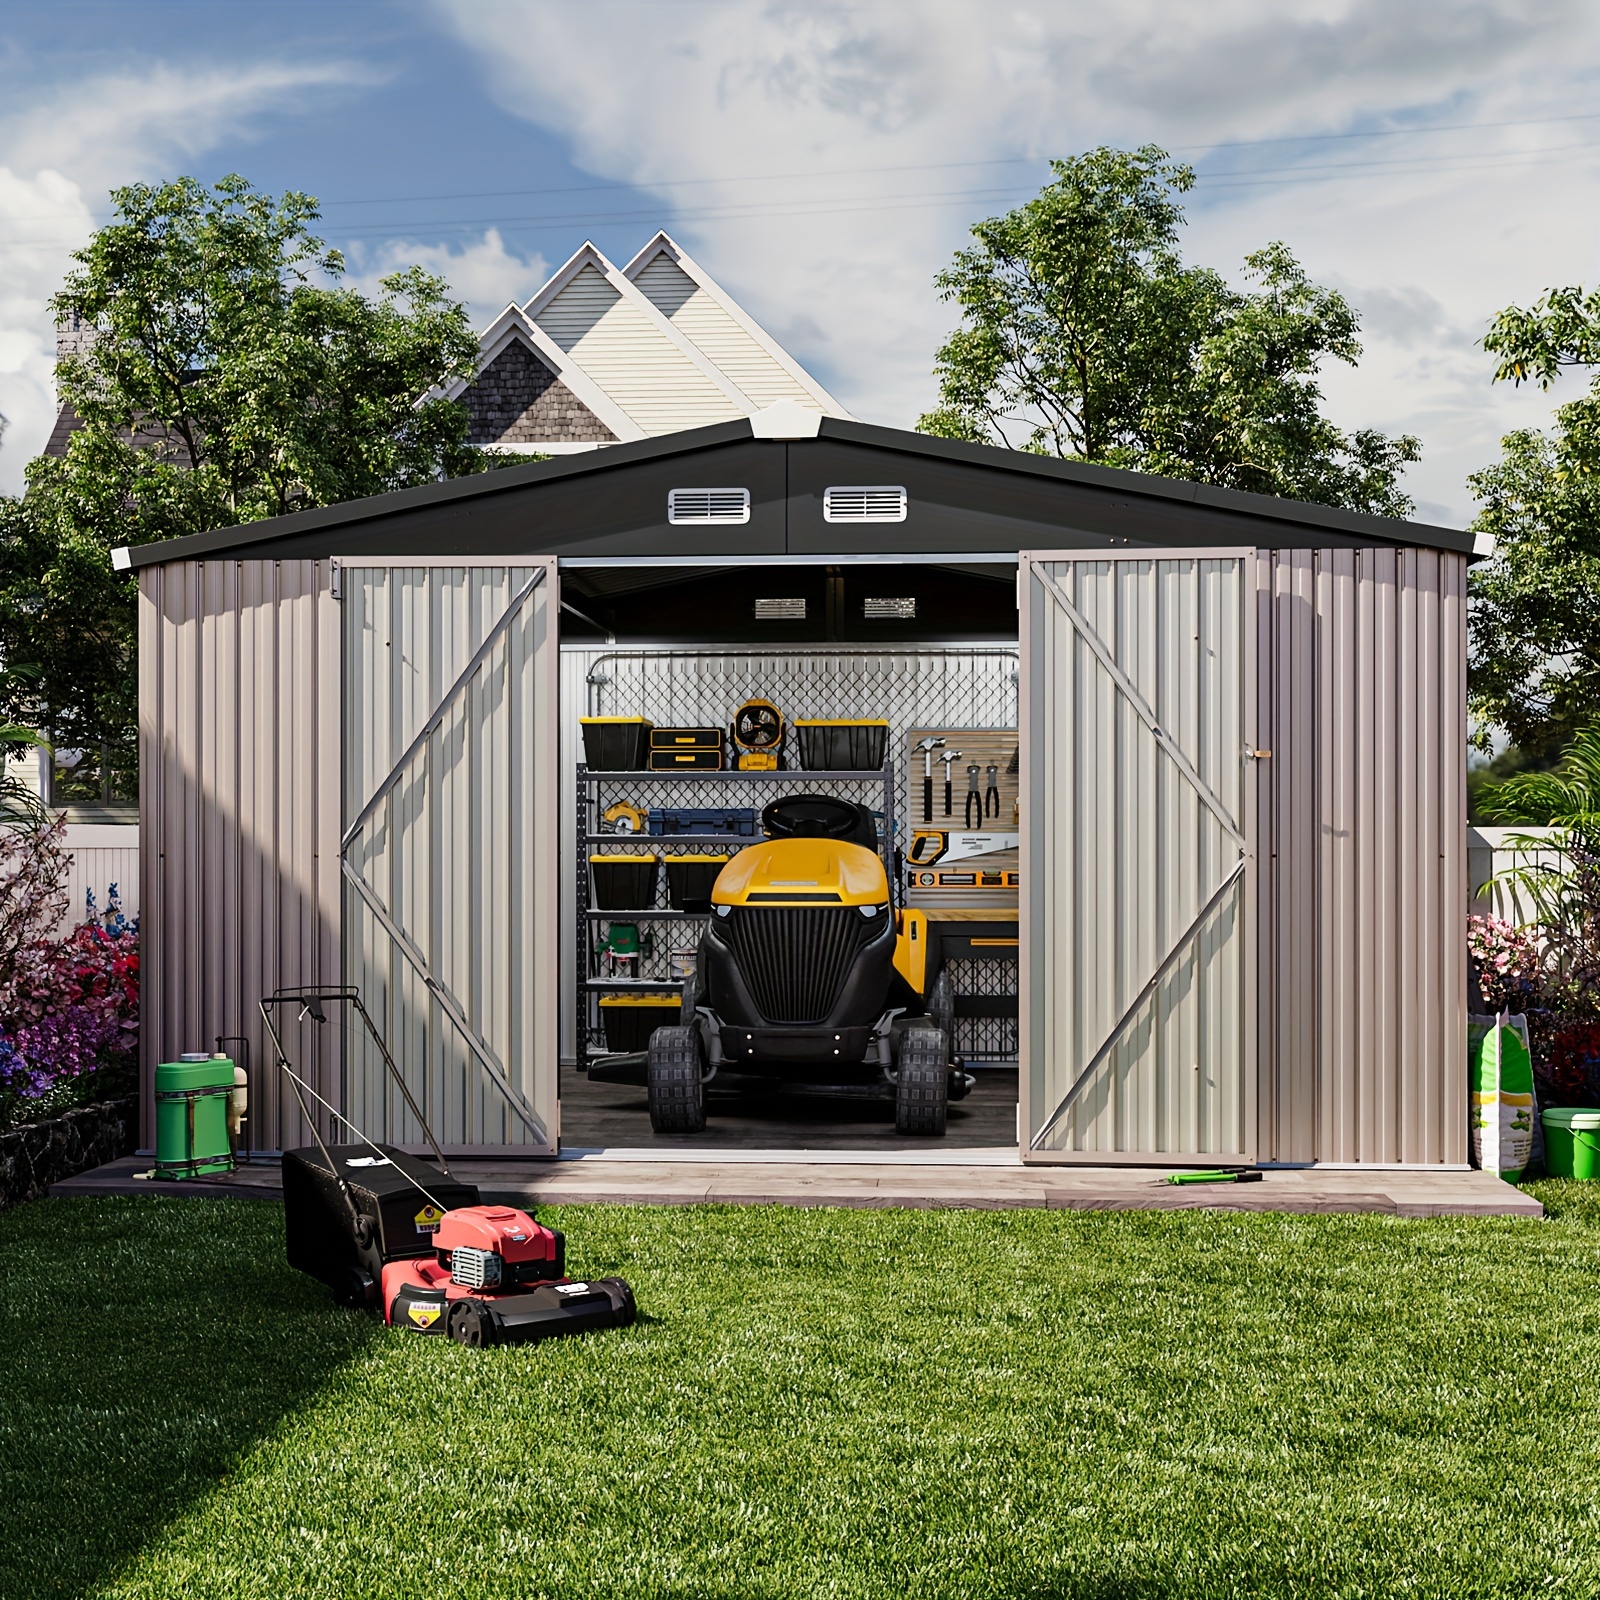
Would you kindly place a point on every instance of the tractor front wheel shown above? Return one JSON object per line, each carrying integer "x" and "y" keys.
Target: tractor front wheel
{"x": 676, "y": 1081}
{"x": 922, "y": 1085}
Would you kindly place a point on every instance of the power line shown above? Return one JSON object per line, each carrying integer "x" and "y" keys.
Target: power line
{"x": 939, "y": 166}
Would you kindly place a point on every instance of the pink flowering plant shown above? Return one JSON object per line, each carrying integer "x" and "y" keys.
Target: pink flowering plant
{"x": 1510, "y": 967}
{"x": 69, "y": 1007}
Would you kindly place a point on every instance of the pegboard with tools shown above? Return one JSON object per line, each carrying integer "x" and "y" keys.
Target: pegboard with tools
{"x": 961, "y": 816}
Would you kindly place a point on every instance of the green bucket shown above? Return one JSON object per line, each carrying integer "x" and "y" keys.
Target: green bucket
{"x": 192, "y": 1096}
{"x": 1572, "y": 1143}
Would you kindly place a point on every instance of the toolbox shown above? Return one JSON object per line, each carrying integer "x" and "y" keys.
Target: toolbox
{"x": 686, "y": 739}
{"x": 615, "y": 744}
{"x": 740, "y": 821}
{"x": 623, "y": 883}
{"x": 690, "y": 877}
{"x": 686, "y": 760}
{"x": 841, "y": 746}
{"x": 630, "y": 1019}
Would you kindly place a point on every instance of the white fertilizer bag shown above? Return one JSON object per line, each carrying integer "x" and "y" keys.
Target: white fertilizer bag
{"x": 1500, "y": 1077}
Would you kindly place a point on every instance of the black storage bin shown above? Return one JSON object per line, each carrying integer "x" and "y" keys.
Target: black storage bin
{"x": 841, "y": 746}
{"x": 691, "y": 877}
{"x": 630, "y": 1019}
{"x": 623, "y": 883}
{"x": 668, "y": 820}
{"x": 615, "y": 744}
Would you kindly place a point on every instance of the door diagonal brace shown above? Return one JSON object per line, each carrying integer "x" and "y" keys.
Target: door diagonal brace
{"x": 1081, "y": 1082}
{"x": 448, "y": 1003}
{"x": 1142, "y": 710}
{"x": 442, "y": 710}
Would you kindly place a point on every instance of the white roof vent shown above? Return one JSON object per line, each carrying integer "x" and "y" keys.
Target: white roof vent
{"x": 854, "y": 502}
{"x": 708, "y": 505}
{"x": 781, "y": 610}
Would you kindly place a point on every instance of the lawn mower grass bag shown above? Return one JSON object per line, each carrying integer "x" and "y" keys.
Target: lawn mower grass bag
{"x": 396, "y": 1220}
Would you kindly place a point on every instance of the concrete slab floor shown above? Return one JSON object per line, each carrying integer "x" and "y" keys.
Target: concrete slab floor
{"x": 788, "y": 1178}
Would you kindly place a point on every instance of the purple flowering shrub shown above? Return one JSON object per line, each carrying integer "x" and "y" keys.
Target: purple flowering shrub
{"x": 69, "y": 1007}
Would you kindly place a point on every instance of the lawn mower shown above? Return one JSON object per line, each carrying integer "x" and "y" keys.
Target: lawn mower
{"x": 806, "y": 977}
{"x": 384, "y": 1228}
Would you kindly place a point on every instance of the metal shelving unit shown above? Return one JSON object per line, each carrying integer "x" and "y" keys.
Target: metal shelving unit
{"x": 592, "y": 800}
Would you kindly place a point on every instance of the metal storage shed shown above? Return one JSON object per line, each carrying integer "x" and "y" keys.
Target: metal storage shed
{"x": 1243, "y": 732}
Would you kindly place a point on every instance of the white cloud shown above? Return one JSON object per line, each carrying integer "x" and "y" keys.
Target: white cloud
{"x": 483, "y": 274}
{"x": 63, "y": 150}
{"x": 1438, "y": 230}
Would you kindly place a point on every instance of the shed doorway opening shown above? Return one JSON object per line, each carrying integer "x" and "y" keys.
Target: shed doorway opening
{"x": 719, "y": 692}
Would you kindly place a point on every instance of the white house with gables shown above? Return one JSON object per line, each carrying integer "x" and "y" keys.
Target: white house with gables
{"x": 603, "y": 355}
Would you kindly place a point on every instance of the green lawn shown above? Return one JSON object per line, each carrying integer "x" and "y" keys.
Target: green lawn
{"x": 817, "y": 1402}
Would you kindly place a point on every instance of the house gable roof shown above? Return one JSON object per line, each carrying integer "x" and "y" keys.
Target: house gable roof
{"x": 602, "y": 323}
{"x": 686, "y": 294}
{"x": 513, "y": 326}
{"x": 970, "y": 500}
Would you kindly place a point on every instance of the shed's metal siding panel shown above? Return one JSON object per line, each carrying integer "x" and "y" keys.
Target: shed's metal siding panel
{"x": 1362, "y": 987}
{"x": 239, "y": 815}
{"x": 463, "y": 852}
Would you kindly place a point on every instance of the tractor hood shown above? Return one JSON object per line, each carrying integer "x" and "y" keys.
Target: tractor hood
{"x": 802, "y": 872}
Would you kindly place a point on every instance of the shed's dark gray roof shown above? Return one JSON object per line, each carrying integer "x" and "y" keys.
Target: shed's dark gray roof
{"x": 963, "y": 498}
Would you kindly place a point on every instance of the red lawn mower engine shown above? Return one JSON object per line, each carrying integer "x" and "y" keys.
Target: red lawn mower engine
{"x": 498, "y": 1277}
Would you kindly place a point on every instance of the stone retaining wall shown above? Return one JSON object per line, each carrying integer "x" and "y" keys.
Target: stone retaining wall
{"x": 42, "y": 1153}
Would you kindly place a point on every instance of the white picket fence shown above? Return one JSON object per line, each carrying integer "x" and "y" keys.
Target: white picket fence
{"x": 102, "y": 854}
{"x": 1490, "y": 851}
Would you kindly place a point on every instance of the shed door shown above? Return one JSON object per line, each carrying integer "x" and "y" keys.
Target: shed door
{"x": 451, "y": 851}
{"x": 1136, "y": 974}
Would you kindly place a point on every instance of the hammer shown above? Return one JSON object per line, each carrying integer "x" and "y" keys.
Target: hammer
{"x": 927, "y": 747}
{"x": 947, "y": 758}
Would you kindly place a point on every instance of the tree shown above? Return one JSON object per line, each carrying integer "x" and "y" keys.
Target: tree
{"x": 230, "y": 377}
{"x": 1534, "y": 619}
{"x": 1085, "y": 336}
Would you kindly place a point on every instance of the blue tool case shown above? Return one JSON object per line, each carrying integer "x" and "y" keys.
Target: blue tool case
{"x": 742, "y": 821}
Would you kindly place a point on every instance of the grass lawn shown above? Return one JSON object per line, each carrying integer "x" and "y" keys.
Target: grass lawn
{"x": 817, "y": 1402}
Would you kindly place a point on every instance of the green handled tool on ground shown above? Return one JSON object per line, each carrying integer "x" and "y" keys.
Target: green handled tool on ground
{"x": 1221, "y": 1175}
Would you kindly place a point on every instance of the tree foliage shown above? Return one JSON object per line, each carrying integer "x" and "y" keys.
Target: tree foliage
{"x": 1535, "y": 613}
{"x": 1085, "y": 336}
{"x": 230, "y": 376}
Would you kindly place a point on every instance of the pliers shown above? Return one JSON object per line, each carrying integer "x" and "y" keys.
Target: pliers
{"x": 991, "y": 795}
{"x": 974, "y": 799}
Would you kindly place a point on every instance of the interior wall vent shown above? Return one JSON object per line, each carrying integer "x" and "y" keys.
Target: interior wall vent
{"x": 708, "y": 505}
{"x": 781, "y": 610}
{"x": 889, "y": 606}
{"x": 856, "y": 502}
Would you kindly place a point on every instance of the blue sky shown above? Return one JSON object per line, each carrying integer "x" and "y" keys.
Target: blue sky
{"x": 1435, "y": 160}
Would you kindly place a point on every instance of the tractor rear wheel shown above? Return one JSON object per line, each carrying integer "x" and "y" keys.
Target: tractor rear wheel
{"x": 922, "y": 1086}
{"x": 676, "y": 1081}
